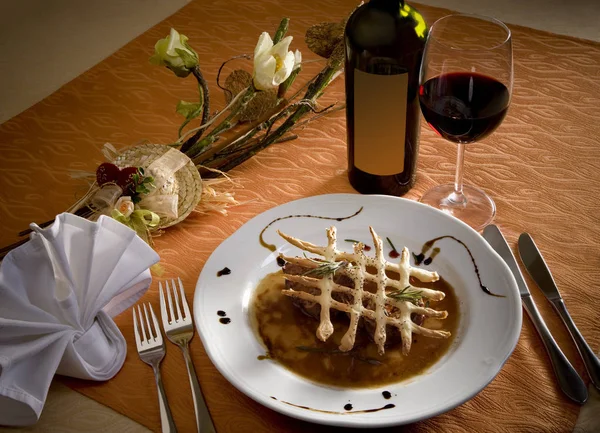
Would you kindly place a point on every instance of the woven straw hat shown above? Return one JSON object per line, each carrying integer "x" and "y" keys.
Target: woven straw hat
{"x": 186, "y": 182}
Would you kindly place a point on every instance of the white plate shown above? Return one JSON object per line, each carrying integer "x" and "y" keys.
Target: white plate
{"x": 488, "y": 331}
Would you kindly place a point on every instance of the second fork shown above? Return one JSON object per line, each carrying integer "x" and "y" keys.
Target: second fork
{"x": 180, "y": 330}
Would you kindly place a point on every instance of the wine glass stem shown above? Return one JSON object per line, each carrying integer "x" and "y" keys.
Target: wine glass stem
{"x": 457, "y": 197}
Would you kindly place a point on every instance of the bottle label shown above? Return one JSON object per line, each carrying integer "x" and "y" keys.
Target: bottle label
{"x": 379, "y": 122}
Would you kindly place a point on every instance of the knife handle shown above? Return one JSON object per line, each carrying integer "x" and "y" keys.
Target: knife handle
{"x": 590, "y": 360}
{"x": 568, "y": 379}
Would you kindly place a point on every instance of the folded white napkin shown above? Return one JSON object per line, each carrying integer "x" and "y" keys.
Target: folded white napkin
{"x": 58, "y": 293}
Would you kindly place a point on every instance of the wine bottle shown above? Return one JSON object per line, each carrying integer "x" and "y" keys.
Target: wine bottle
{"x": 384, "y": 47}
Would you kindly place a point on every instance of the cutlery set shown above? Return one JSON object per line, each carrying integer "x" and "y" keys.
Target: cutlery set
{"x": 179, "y": 328}
{"x": 568, "y": 379}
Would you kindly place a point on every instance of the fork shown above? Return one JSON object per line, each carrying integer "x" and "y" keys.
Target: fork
{"x": 152, "y": 351}
{"x": 180, "y": 330}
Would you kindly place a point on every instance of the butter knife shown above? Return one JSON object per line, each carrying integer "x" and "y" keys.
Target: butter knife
{"x": 568, "y": 379}
{"x": 537, "y": 268}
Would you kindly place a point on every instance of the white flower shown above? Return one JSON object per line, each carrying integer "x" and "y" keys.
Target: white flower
{"x": 297, "y": 59}
{"x": 125, "y": 206}
{"x": 175, "y": 53}
{"x": 272, "y": 63}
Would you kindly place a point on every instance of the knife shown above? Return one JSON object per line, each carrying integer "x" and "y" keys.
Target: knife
{"x": 568, "y": 379}
{"x": 537, "y": 268}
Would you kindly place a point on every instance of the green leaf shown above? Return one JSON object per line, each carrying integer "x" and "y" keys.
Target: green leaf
{"x": 189, "y": 110}
{"x": 281, "y": 30}
{"x": 283, "y": 87}
{"x": 188, "y": 60}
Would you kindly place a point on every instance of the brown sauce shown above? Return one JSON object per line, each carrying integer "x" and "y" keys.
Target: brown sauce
{"x": 289, "y": 337}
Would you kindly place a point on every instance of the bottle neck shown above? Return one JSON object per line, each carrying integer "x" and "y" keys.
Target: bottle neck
{"x": 388, "y": 3}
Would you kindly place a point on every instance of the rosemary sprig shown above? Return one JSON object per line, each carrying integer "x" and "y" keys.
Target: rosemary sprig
{"x": 406, "y": 295}
{"x": 391, "y": 244}
{"x": 325, "y": 268}
{"x": 351, "y": 353}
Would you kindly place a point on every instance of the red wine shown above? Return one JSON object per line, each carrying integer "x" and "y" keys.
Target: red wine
{"x": 463, "y": 106}
{"x": 385, "y": 40}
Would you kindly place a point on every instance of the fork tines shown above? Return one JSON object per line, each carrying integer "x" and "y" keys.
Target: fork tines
{"x": 175, "y": 315}
{"x": 152, "y": 336}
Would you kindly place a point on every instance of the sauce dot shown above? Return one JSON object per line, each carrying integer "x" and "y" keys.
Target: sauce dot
{"x": 348, "y": 406}
{"x": 386, "y": 394}
{"x": 225, "y": 320}
{"x": 224, "y": 271}
{"x": 418, "y": 258}
{"x": 221, "y": 313}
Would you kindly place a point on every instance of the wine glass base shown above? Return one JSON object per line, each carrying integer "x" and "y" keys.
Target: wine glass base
{"x": 478, "y": 210}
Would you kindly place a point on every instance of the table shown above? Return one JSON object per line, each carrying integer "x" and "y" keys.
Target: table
{"x": 542, "y": 167}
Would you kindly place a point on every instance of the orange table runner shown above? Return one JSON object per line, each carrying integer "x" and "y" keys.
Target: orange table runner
{"x": 542, "y": 167}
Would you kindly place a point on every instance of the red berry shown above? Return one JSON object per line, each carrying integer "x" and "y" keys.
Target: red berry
{"x": 126, "y": 181}
{"x": 107, "y": 172}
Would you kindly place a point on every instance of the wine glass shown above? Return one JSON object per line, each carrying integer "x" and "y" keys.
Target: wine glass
{"x": 465, "y": 89}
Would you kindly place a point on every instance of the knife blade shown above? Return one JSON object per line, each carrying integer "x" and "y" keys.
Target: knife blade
{"x": 539, "y": 271}
{"x": 568, "y": 379}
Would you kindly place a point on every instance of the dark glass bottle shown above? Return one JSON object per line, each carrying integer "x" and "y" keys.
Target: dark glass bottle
{"x": 385, "y": 40}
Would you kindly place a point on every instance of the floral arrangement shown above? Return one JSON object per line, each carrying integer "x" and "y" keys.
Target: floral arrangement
{"x": 259, "y": 108}
{"x": 150, "y": 187}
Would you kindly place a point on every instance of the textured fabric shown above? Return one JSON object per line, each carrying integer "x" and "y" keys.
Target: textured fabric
{"x": 541, "y": 167}
{"x": 53, "y": 290}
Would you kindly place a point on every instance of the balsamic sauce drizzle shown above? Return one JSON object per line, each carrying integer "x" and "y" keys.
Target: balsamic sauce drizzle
{"x": 224, "y": 271}
{"x": 420, "y": 258}
{"x": 272, "y": 247}
{"x": 347, "y": 407}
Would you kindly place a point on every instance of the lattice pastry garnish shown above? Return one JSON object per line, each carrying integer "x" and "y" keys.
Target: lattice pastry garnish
{"x": 380, "y": 307}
